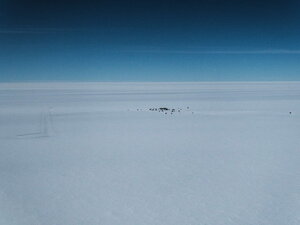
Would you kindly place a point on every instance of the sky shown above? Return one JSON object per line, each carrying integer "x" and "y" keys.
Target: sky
{"x": 210, "y": 40}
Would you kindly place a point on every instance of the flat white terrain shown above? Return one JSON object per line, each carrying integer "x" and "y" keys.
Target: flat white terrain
{"x": 93, "y": 153}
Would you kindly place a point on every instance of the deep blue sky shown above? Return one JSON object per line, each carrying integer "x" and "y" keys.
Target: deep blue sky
{"x": 212, "y": 40}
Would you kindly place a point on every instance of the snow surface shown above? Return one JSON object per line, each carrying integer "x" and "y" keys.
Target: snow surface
{"x": 93, "y": 153}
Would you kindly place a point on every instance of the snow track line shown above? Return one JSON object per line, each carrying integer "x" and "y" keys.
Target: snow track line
{"x": 45, "y": 127}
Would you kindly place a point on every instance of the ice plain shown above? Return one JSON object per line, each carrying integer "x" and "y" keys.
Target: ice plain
{"x": 93, "y": 153}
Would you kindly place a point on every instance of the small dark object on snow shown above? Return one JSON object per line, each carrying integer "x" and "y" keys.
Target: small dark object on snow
{"x": 164, "y": 109}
